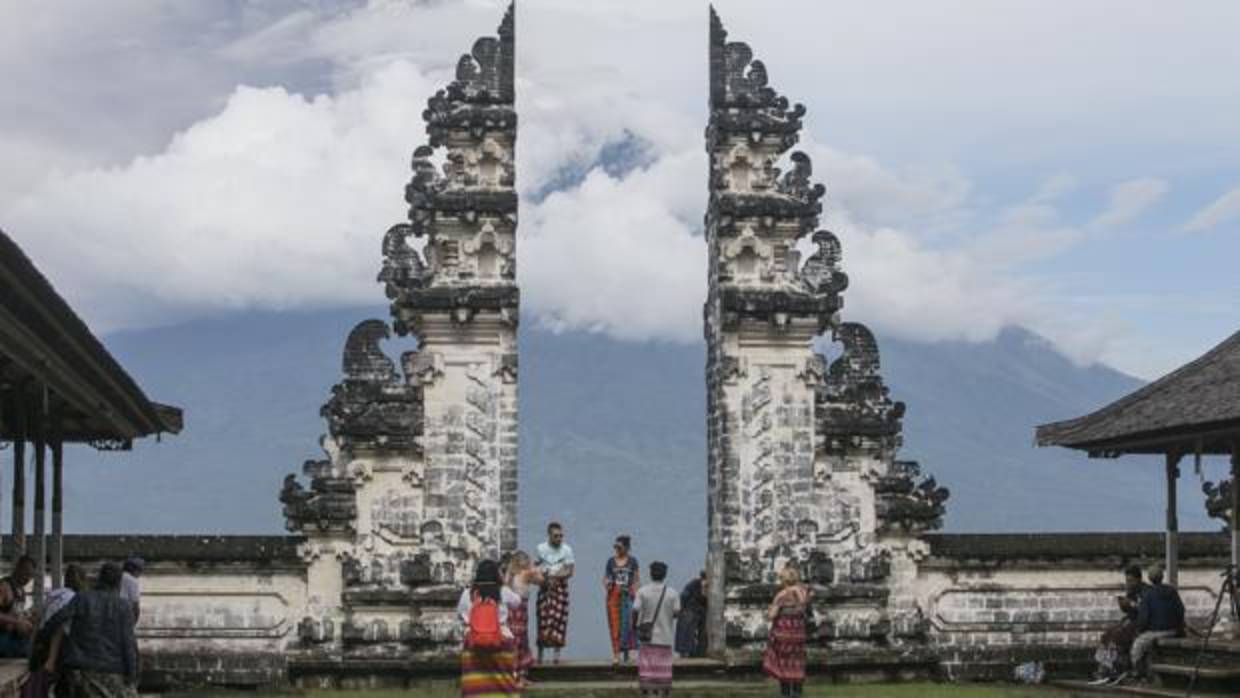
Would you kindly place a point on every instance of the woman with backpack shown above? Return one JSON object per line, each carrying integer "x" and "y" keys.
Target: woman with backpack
{"x": 489, "y": 657}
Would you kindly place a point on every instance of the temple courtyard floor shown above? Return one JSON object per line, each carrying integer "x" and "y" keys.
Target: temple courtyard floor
{"x": 698, "y": 689}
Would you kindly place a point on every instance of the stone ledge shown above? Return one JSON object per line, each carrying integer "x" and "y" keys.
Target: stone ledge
{"x": 274, "y": 551}
{"x": 1106, "y": 550}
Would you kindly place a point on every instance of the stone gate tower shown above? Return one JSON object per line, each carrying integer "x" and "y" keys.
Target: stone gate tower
{"x": 801, "y": 450}
{"x": 420, "y": 479}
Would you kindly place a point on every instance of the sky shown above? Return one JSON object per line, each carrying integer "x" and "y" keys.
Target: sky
{"x": 1073, "y": 168}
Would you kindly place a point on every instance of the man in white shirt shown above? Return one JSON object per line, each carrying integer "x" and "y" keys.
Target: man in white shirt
{"x": 131, "y": 588}
{"x": 555, "y": 561}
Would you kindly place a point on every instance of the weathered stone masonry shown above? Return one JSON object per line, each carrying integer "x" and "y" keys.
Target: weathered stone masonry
{"x": 420, "y": 478}
{"x": 801, "y": 449}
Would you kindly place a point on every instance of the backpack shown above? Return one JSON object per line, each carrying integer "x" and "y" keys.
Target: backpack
{"x": 484, "y": 630}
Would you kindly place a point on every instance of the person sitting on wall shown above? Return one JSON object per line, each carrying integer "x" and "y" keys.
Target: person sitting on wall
{"x": 1159, "y": 615}
{"x": 45, "y": 656}
{"x": 1116, "y": 642}
{"x": 15, "y": 627}
{"x": 100, "y": 653}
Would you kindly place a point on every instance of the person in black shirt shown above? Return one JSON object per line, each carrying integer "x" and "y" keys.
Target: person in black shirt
{"x": 1116, "y": 643}
{"x": 1159, "y": 615}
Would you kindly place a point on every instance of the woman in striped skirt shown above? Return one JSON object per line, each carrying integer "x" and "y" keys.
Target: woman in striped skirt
{"x": 784, "y": 660}
{"x": 488, "y": 672}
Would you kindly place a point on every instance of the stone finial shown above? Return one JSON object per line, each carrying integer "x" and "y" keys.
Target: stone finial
{"x": 740, "y": 98}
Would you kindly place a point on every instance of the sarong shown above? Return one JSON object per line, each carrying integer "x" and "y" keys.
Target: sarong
{"x": 519, "y": 624}
{"x": 784, "y": 659}
{"x": 97, "y": 684}
{"x": 654, "y": 667}
{"x": 620, "y": 620}
{"x": 489, "y": 673}
{"x": 690, "y": 640}
{"x": 553, "y": 614}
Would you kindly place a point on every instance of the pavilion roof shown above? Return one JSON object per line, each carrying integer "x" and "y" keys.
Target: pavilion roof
{"x": 44, "y": 343}
{"x": 1195, "y": 408}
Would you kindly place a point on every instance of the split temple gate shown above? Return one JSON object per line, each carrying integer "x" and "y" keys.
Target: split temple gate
{"x": 418, "y": 480}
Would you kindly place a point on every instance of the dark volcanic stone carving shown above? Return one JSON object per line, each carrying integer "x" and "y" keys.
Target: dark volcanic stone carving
{"x": 482, "y": 96}
{"x": 822, "y": 273}
{"x": 908, "y": 505}
{"x": 329, "y": 504}
{"x": 853, "y": 400}
{"x": 373, "y": 408}
{"x": 1218, "y": 501}
{"x": 741, "y": 100}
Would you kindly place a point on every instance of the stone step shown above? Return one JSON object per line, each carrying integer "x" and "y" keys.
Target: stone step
{"x": 1083, "y": 689}
{"x": 682, "y": 689}
{"x": 1215, "y": 673}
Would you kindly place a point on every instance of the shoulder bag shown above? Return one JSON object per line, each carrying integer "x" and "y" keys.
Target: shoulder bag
{"x": 645, "y": 631}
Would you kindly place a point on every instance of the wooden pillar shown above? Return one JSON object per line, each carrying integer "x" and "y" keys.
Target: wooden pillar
{"x": 19, "y": 484}
{"x": 40, "y": 514}
{"x": 1235, "y": 503}
{"x": 1173, "y": 520}
{"x": 58, "y": 509}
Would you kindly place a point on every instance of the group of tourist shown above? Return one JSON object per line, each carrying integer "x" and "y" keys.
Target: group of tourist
{"x": 649, "y": 618}
{"x": 80, "y": 640}
{"x": 1150, "y": 612}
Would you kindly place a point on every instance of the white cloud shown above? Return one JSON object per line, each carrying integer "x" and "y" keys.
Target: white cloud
{"x": 1224, "y": 209}
{"x": 279, "y": 198}
{"x": 277, "y": 201}
{"x": 613, "y": 256}
{"x": 1127, "y": 201}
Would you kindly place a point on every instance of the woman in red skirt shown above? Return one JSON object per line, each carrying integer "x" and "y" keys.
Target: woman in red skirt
{"x": 784, "y": 660}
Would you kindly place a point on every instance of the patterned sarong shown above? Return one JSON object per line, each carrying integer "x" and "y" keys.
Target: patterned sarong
{"x": 784, "y": 659}
{"x": 97, "y": 684}
{"x": 519, "y": 624}
{"x": 654, "y": 667}
{"x": 620, "y": 619}
{"x": 489, "y": 673}
{"x": 553, "y": 614}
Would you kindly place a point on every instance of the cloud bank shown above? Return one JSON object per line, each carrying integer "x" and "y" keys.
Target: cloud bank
{"x": 278, "y": 197}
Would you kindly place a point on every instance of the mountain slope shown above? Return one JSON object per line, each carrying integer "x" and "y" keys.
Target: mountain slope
{"x": 612, "y": 438}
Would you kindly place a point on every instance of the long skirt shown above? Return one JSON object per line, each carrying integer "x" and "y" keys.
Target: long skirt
{"x": 489, "y": 673}
{"x": 784, "y": 659}
{"x": 553, "y": 615}
{"x": 690, "y": 640}
{"x": 654, "y": 667}
{"x": 620, "y": 620}
{"x": 97, "y": 684}
{"x": 519, "y": 624}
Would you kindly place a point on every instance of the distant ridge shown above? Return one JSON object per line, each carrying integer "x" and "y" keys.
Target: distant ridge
{"x": 612, "y": 438}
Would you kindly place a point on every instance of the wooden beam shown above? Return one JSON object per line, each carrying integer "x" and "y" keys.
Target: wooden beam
{"x": 58, "y": 515}
{"x": 1173, "y": 520}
